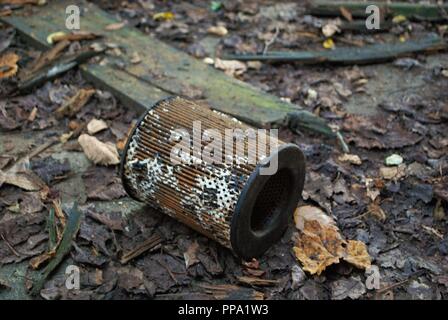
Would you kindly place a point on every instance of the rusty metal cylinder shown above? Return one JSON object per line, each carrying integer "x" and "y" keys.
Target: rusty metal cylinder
{"x": 172, "y": 162}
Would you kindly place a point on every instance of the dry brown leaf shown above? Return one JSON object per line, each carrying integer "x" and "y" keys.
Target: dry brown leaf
{"x": 135, "y": 58}
{"x": 393, "y": 173}
{"x": 351, "y": 158}
{"x": 190, "y": 255}
{"x": 25, "y": 180}
{"x": 439, "y": 212}
{"x": 95, "y": 126}
{"x": 8, "y": 65}
{"x": 357, "y": 254}
{"x": 310, "y": 213}
{"x": 74, "y": 36}
{"x": 230, "y": 67}
{"x": 97, "y": 151}
{"x": 346, "y": 13}
{"x": 36, "y": 262}
{"x": 75, "y": 103}
{"x": 320, "y": 244}
{"x": 32, "y": 116}
{"x": 218, "y": 31}
{"x": 330, "y": 29}
{"x": 115, "y": 26}
{"x": 376, "y": 211}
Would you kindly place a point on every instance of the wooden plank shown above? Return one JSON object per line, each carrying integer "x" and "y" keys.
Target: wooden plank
{"x": 163, "y": 71}
{"x": 419, "y": 11}
{"x": 367, "y": 54}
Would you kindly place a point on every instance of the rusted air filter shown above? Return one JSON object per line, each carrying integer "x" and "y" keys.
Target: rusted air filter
{"x": 233, "y": 203}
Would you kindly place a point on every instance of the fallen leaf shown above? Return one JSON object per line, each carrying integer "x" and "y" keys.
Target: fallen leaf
{"x": 208, "y": 60}
{"x": 328, "y": 43}
{"x": 97, "y": 151}
{"x": 32, "y": 115}
{"x": 330, "y": 29}
{"x": 163, "y": 16}
{"x": 352, "y": 288}
{"x": 376, "y": 211}
{"x": 25, "y": 180}
{"x": 218, "y": 31}
{"x": 190, "y": 255}
{"x": 74, "y": 36}
{"x": 346, "y": 13}
{"x": 115, "y": 26}
{"x": 96, "y": 125}
{"x": 231, "y": 67}
{"x": 399, "y": 19}
{"x": 8, "y": 65}
{"x": 439, "y": 212}
{"x": 393, "y": 173}
{"x": 357, "y": 254}
{"x": 135, "y": 58}
{"x": 351, "y": 158}
{"x": 320, "y": 244}
{"x": 75, "y": 103}
{"x": 51, "y": 36}
{"x": 378, "y": 132}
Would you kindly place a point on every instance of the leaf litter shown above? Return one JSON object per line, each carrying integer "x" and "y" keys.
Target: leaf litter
{"x": 393, "y": 215}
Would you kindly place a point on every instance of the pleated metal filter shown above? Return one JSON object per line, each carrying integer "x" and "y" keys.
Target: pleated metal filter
{"x": 229, "y": 201}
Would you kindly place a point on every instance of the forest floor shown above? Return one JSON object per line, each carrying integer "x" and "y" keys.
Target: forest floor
{"x": 397, "y": 210}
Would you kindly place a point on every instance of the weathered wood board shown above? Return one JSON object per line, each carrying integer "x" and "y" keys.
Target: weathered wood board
{"x": 367, "y": 54}
{"x": 418, "y": 11}
{"x": 163, "y": 70}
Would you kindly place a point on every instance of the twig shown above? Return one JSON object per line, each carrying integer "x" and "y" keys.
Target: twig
{"x": 141, "y": 248}
{"x": 271, "y": 41}
{"x": 400, "y": 283}
{"x": 169, "y": 271}
{"x": 10, "y": 246}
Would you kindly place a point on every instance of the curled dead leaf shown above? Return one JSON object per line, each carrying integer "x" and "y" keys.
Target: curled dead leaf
{"x": 356, "y": 253}
{"x": 218, "y": 31}
{"x": 96, "y": 125}
{"x": 97, "y": 151}
{"x": 231, "y": 67}
{"x": 376, "y": 211}
{"x": 52, "y": 36}
{"x": 25, "y": 180}
{"x": 8, "y": 65}
{"x": 190, "y": 255}
{"x": 75, "y": 103}
{"x": 351, "y": 158}
{"x": 320, "y": 244}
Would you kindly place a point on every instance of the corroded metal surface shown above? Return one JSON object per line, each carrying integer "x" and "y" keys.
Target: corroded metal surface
{"x": 199, "y": 194}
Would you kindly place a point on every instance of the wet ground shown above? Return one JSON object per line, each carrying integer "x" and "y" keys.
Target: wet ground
{"x": 399, "y": 212}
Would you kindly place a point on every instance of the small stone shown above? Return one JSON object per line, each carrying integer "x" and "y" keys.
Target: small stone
{"x": 208, "y": 60}
{"x": 394, "y": 160}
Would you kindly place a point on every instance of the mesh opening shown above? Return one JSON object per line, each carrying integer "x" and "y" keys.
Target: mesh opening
{"x": 271, "y": 200}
